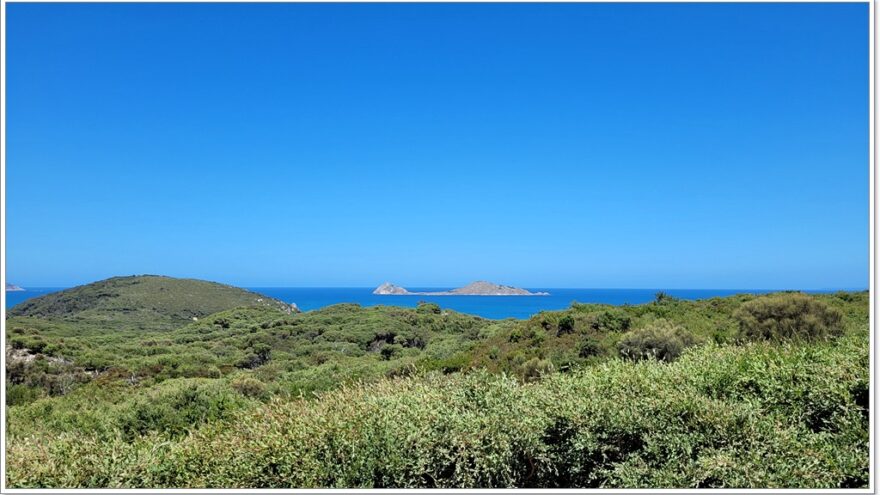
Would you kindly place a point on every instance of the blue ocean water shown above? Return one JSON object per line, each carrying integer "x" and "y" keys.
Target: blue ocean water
{"x": 15, "y": 297}
{"x": 496, "y": 307}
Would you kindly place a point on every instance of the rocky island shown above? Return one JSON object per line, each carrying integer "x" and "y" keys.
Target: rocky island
{"x": 479, "y": 288}
{"x": 13, "y": 288}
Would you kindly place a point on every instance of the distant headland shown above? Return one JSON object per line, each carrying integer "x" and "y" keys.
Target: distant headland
{"x": 479, "y": 288}
{"x": 13, "y": 288}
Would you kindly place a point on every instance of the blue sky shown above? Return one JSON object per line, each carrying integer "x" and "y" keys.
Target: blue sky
{"x": 590, "y": 145}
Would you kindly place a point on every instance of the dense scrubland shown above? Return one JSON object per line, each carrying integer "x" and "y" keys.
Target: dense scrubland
{"x": 163, "y": 382}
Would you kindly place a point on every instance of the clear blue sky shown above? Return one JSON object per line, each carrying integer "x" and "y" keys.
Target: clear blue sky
{"x": 655, "y": 146}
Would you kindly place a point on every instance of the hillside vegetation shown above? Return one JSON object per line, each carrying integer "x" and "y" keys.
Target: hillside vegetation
{"x": 742, "y": 391}
{"x": 145, "y": 301}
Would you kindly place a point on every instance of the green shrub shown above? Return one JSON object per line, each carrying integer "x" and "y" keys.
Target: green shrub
{"x": 390, "y": 351}
{"x": 259, "y": 355}
{"x": 788, "y": 316}
{"x": 269, "y": 372}
{"x": 515, "y": 336}
{"x": 535, "y": 368}
{"x": 565, "y": 325}
{"x": 662, "y": 297}
{"x": 590, "y": 347}
{"x": 17, "y": 394}
{"x": 428, "y": 307}
{"x": 661, "y": 340}
{"x": 611, "y": 321}
{"x": 177, "y": 408}
{"x": 249, "y": 387}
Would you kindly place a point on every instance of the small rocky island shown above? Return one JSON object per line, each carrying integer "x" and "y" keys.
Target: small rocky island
{"x": 13, "y": 288}
{"x": 479, "y": 288}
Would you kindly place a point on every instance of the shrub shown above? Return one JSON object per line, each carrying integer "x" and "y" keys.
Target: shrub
{"x": 661, "y": 297}
{"x": 390, "y": 351}
{"x": 788, "y": 316}
{"x": 515, "y": 335}
{"x": 661, "y": 340}
{"x": 427, "y": 307}
{"x": 611, "y": 321}
{"x": 269, "y": 372}
{"x": 36, "y": 345}
{"x": 259, "y": 356}
{"x": 249, "y": 387}
{"x": 565, "y": 325}
{"x": 178, "y": 407}
{"x": 418, "y": 341}
{"x": 535, "y": 368}
{"x": 17, "y": 394}
{"x": 590, "y": 347}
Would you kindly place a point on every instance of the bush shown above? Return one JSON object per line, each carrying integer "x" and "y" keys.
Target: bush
{"x": 515, "y": 335}
{"x": 390, "y": 351}
{"x": 249, "y": 387}
{"x": 535, "y": 368}
{"x": 565, "y": 325}
{"x": 17, "y": 394}
{"x": 417, "y": 341}
{"x": 788, "y": 316}
{"x": 590, "y": 347}
{"x": 661, "y": 340}
{"x": 662, "y": 297}
{"x": 611, "y": 321}
{"x": 177, "y": 408}
{"x": 259, "y": 356}
{"x": 427, "y": 307}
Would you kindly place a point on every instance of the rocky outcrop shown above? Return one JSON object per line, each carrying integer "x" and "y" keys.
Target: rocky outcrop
{"x": 479, "y": 288}
{"x": 483, "y": 288}
{"x": 389, "y": 289}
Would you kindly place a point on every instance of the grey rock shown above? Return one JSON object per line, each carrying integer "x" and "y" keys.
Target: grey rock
{"x": 479, "y": 288}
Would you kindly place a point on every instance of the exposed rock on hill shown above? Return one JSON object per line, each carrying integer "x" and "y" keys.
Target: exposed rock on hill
{"x": 389, "y": 289}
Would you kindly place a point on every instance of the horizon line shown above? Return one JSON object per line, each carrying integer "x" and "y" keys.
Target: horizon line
{"x": 445, "y": 287}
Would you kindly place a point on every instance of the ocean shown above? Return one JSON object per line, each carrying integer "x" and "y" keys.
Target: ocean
{"x": 495, "y": 307}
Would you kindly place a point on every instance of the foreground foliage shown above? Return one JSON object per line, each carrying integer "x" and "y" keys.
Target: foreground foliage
{"x": 759, "y": 415}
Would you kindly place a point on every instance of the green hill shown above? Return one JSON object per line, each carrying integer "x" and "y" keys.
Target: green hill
{"x": 143, "y": 301}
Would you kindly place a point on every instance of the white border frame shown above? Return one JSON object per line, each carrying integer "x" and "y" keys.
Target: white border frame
{"x": 871, "y": 255}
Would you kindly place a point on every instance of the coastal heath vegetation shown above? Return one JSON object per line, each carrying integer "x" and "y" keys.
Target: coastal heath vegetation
{"x": 741, "y": 391}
